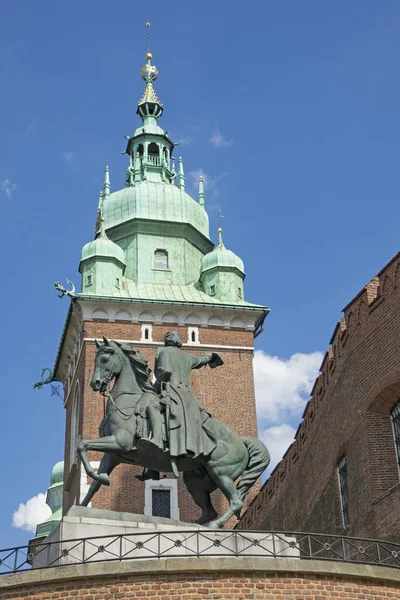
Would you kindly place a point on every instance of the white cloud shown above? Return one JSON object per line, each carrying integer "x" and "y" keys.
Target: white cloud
{"x": 210, "y": 183}
{"x": 219, "y": 140}
{"x": 277, "y": 439}
{"x": 283, "y": 388}
{"x": 30, "y": 514}
{"x": 68, "y": 156}
{"x": 283, "y": 385}
{"x": 8, "y": 187}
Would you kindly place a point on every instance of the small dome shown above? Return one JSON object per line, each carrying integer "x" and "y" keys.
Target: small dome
{"x": 102, "y": 246}
{"x": 221, "y": 257}
{"x": 57, "y": 474}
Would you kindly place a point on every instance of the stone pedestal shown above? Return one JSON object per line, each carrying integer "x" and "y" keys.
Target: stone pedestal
{"x": 92, "y": 535}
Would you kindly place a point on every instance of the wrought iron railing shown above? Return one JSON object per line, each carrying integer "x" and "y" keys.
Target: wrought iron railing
{"x": 198, "y": 543}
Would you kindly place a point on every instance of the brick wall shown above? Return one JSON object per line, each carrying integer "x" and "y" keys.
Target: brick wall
{"x": 348, "y": 413}
{"x": 210, "y": 586}
{"x": 222, "y": 391}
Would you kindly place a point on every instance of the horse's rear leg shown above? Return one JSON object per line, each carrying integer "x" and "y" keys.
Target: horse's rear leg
{"x": 107, "y": 465}
{"x": 228, "y": 488}
{"x": 200, "y": 492}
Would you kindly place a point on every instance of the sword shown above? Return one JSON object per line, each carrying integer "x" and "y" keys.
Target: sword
{"x": 166, "y": 394}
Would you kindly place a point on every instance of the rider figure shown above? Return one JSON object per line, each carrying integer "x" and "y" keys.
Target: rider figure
{"x": 188, "y": 431}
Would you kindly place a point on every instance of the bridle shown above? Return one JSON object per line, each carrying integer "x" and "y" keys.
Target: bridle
{"x": 107, "y": 392}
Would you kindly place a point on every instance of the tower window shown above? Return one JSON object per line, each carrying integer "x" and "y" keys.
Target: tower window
{"x": 117, "y": 282}
{"x": 161, "y": 259}
{"x": 140, "y": 149}
{"x": 161, "y": 503}
{"x": 239, "y": 292}
{"x": 395, "y": 417}
{"x": 88, "y": 280}
{"x": 161, "y": 498}
{"x": 212, "y": 290}
{"x": 193, "y": 335}
{"x": 153, "y": 149}
{"x": 147, "y": 333}
{"x": 343, "y": 489}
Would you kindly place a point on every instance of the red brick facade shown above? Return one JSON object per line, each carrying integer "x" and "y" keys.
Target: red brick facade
{"x": 347, "y": 415}
{"x": 222, "y": 391}
{"x": 240, "y": 585}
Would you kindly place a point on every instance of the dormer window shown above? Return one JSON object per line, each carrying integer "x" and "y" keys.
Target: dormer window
{"x": 161, "y": 259}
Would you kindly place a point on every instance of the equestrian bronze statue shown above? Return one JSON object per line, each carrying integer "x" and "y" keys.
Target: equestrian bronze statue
{"x": 162, "y": 426}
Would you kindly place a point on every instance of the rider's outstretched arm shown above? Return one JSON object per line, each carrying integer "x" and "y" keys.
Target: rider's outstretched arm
{"x": 200, "y": 361}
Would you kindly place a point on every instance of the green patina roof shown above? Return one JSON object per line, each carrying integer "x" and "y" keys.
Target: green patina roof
{"x": 57, "y": 474}
{"x": 156, "y": 201}
{"x": 221, "y": 257}
{"x": 169, "y": 293}
{"x": 102, "y": 247}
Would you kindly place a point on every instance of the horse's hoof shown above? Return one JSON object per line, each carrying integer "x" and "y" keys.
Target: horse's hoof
{"x": 104, "y": 479}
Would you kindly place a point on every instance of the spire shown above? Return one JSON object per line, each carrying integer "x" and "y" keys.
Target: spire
{"x": 181, "y": 175}
{"x": 201, "y": 191}
{"x": 149, "y": 108}
{"x": 100, "y": 204}
{"x": 106, "y": 185}
{"x": 220, "y": 242}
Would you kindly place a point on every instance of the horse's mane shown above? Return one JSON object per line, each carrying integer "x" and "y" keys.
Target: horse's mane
{"x": 139, "y": 365}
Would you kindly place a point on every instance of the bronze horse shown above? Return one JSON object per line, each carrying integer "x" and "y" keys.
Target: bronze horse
{"x": 124, "y": 438}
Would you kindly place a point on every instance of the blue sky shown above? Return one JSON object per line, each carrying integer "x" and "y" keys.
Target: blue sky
{"x": 289, "y": 108}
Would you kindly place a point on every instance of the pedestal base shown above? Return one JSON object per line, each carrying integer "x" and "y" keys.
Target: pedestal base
{"x": 92, "y": 535}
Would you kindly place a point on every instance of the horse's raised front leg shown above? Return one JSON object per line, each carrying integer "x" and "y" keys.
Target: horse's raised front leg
{"x": 107, "y": 465}
{"x": 228, "y": 488}
{"x": 109, "y": 443}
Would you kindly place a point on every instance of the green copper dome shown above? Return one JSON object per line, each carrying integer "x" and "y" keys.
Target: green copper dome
{"x": 156, "y": 201}
{"x": 102, "y": 247}
{"x": 221, "y": 257}
{"x": 57, "y": 474}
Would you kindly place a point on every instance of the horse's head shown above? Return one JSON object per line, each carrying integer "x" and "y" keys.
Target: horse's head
{"x": 107, "y": 365}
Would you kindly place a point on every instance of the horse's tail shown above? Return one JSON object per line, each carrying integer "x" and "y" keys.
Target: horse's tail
{"x": 259, "y": 460}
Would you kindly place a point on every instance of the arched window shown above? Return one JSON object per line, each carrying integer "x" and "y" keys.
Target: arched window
{"x": 74, "y": 425}
{"x": 160, "y": 259}
{"x": 140, "y": 149}
{"x": 395, "y": 417}
{"x": 147, "y": 333}
{"x": 153, "y": 149}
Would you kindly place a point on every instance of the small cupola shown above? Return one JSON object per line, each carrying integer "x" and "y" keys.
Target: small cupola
{"x": 222, "y": 273}
{"x": 102, "y": 264}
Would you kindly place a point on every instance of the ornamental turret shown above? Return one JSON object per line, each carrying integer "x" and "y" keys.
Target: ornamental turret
{"x": 102, "y": 264}
{"x": 149, "y": 148}
{"x": 222, "y": 273}
{"x": 54, "y": 500}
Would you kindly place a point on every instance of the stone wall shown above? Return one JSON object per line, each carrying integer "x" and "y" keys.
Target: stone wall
{"x": 348, "y": 414}
{"x": 211, "y": 579}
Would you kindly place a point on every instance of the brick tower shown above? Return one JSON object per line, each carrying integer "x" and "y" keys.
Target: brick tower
{"x": 152, "y": 268}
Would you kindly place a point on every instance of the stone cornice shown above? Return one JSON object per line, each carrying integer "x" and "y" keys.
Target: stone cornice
{"x": 182, "y": 566}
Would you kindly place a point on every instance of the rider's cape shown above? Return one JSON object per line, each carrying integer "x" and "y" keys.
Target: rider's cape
{"x": 188, "y": 424}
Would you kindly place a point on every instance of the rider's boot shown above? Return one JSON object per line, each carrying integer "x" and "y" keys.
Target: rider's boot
{"x": 148, "y": 474}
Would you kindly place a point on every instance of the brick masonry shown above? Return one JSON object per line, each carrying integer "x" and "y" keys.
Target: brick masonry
{"x": 348, "y": 414}
{"x": 241, "y": 585}
{"x": 226, "y": 392}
